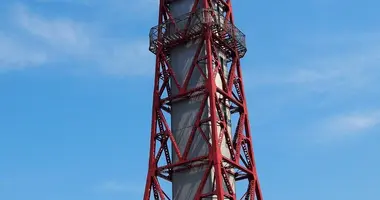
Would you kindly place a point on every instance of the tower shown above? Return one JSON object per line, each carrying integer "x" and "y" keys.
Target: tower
{"x": 201, "y": 144}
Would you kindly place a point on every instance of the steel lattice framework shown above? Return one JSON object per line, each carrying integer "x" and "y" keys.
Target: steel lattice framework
{"x": 216, "y": 34}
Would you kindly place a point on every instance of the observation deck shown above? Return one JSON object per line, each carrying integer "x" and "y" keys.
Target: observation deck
{"x": 192, "y": 26}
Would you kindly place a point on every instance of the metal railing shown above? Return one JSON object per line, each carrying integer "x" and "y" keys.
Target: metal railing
{"x": 191, "y": 25}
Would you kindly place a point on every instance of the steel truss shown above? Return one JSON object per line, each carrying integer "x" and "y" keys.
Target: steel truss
{"x": 215, "y": 36}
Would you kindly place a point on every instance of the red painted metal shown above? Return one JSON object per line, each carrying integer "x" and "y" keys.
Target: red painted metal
{"x": 215, "y": 37}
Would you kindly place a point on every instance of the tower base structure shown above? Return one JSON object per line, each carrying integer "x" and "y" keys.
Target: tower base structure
{"x": 200, "y": 137}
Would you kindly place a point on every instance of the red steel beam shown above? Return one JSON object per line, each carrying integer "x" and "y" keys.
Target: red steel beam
{"x": 242, "y": 163}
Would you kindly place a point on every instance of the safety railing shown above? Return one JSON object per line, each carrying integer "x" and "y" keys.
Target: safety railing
{"x": 192, "y": 25}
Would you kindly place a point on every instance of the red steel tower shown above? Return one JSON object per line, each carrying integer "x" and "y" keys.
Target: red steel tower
{"x": 201, "y": 144}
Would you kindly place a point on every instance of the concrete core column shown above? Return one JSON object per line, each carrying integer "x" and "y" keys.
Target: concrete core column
{"x": 185, "y": 183}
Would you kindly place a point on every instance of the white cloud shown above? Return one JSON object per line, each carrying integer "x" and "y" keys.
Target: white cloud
{"x": 17, "y": 55}
{"x": 355, "y": 122}
{"x": 132, "y": 6}
{"x": 348, "y": 125}
{"x": 350, "y": 63}
{"x": 63, "y": 34}
{"x": 62, "y": 39}
{"x": 326, "y": 75}
{"x": 119, "y": 187}
{"x": 132, "y": 59}
{"x": 86, "y": 2}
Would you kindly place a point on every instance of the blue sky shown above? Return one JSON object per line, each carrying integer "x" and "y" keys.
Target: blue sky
{"x": 76, "y": 92}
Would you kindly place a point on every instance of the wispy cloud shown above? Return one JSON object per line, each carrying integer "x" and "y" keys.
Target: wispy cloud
{"x": 14, "y": 54}
{"x": 64, "y": 34}
{"x": 120, "y": 187}
{"x": 42, "y": 40}
{"x": 344, "y": 126}
{"x": 350, "y": 62}
{"x": 355, "y": 122}
{"x": 115, "y": 5}
{"x": 329, "y": 82}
